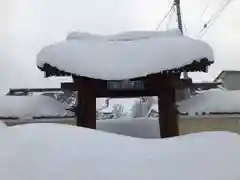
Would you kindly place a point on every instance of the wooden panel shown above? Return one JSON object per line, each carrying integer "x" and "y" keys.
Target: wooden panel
{"x": 162, "y": 86}
{"x": 178, "y": 84}
{"x": 86, "y": 111}
{"x": 86, "y": 107}
{"x": 168, "y": 114}
{"x": 149, "y": 86}
{"x": 126, "y": 93}
{"x": 126, "y": 85}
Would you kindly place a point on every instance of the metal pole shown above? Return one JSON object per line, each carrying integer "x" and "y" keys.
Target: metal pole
{"x": 179, "y": 17}
{"x": 180, "y": 26}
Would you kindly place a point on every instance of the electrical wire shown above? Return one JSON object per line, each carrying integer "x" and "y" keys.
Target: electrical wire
{"x": 170, "y": 18}
{"x": 199, "y": 21}
{"x": 212, "y": 20}
{"x": 204, "y": 11}
{"x": 166, "y": 15}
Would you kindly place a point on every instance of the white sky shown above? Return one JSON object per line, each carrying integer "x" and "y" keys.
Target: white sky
{"x": 28, "y": 25}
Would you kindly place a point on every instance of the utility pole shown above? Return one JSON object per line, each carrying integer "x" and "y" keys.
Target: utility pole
{"x": 180, "y": 26}
{"x": 179, "y": 16}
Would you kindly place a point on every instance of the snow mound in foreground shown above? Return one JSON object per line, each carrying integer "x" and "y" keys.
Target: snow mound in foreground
{"x": 51, "y": 151}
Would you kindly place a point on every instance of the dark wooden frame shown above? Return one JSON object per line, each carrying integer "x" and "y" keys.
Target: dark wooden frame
{"x": 161, "y": 85}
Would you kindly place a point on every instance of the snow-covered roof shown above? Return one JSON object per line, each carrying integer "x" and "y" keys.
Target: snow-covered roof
{"x": 212, "y": 101}
{"x": 31, "y": 106}
{"x": 52, "y": 151}
{"x": 134, "y": 127}
{"x": 123, "y": 56}
{"x": 2, "y": 125}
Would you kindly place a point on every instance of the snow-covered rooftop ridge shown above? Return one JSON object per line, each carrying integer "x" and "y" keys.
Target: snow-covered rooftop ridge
{"x": 124, "y": 36}
{"x": 31, "y": 106}
{"x": 212, "y": 101}
{"x": 123, "y": 56}
{"x": 50, "y": 151}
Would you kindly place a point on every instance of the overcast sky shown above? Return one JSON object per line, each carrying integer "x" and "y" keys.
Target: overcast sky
{"x": 28, "y": 25}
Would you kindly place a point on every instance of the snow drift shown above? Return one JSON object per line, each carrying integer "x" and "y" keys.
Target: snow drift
{"x": 209, "y": 101}
{"x": 212, "y": 101}
{"x": 134, "y": 127}
{"x": 130, "y": 54}
{"x": 31, "y": 106}
{"x": 50, "y": 151}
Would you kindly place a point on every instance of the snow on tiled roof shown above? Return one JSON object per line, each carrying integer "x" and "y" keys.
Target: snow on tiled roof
{"x": 31, "y": 106}
{"x": 123, "y": 56}
{"x": 212, "y": 101}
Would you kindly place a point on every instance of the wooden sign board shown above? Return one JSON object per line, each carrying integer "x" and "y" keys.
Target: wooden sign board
{"x": 125, "y": 85}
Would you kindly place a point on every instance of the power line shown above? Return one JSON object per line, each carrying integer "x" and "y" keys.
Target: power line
{"x": 166, "y": 15}
{"x": 212, "y": 20}
{"x": 204, "y": 11}
{"x": 200, "y": 17}
{"x": 170, "y": 18}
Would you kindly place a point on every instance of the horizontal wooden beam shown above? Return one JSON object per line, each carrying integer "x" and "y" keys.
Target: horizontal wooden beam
{"x": 148, "y": 86}
{"x": 126, "y": 93}
{"x": 69, "y": 86}
{"x": 116, "y": 93}
{"x": 180, "y": 84}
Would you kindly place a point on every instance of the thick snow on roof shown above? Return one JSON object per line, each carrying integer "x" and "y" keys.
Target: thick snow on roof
{"x": 123, "y": 56}
{"x": 212, "y": 101}
{"x": 51, "y": 151}
{"x": 30, "y": 106}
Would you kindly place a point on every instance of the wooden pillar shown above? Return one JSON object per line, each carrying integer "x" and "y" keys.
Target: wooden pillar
{"x": 86, "y": 107}
{"x": 168, "y": 116}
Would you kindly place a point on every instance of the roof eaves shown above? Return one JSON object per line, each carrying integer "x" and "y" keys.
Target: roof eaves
{"x": 195, "y": 66}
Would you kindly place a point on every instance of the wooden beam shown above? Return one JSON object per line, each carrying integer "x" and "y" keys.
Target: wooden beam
{"x": 86, "y": 111}
{"x": 168, "y": 114}
{"x": 152, "y": 85}
{"x": 163, "y": 81}
{"x": 177, "y": 83}
{"x": 115, "y": 93}
{"x": 86, "y": 107}
{"x": 163, "y": 86}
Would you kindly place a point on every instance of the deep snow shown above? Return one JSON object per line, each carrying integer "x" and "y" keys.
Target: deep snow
{"x": 125, "y": 55}
{"x": 51, "y": 151}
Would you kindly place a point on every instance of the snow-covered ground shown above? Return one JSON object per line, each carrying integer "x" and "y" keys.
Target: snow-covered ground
{"x": 51, "y": 151}
{"x": 134, "y": 127}
{"x": 31, "y": 106}
{"x": 125, "y": 56}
